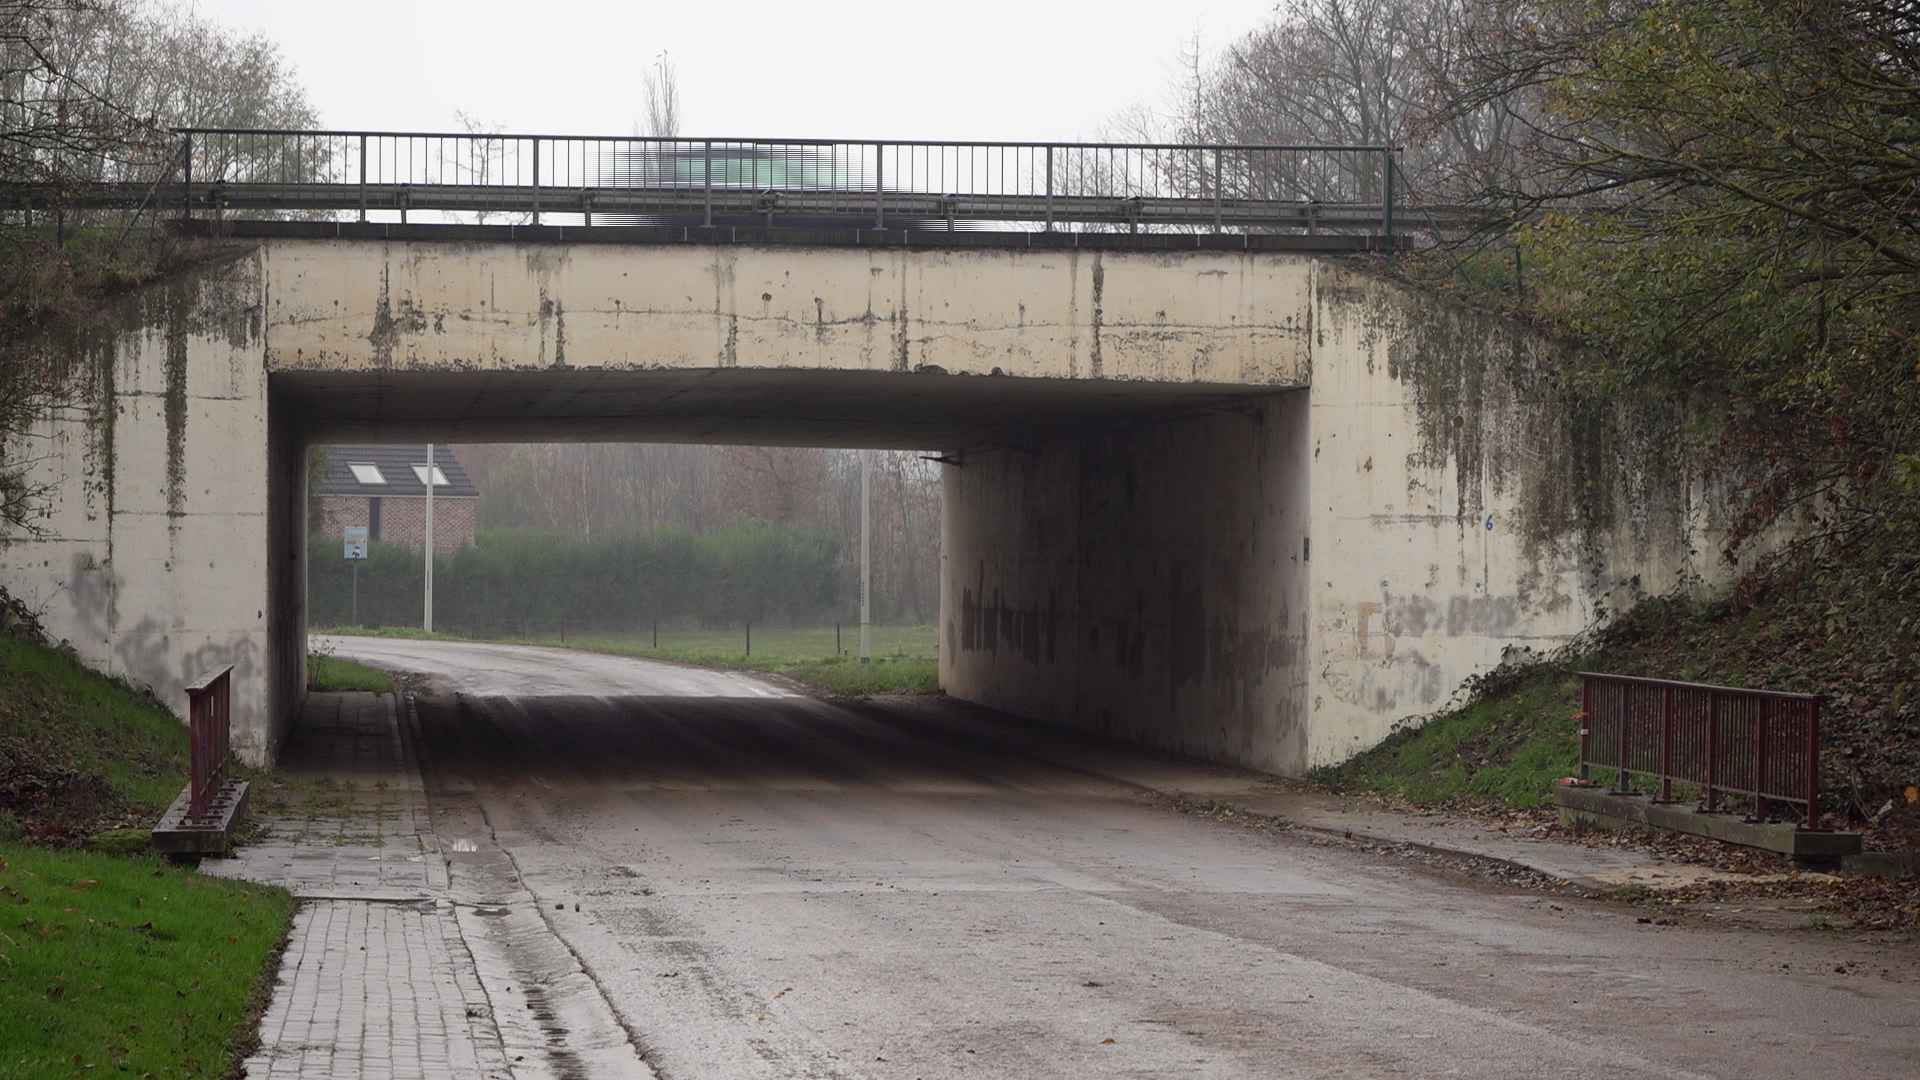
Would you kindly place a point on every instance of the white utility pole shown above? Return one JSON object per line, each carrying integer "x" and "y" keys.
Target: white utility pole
{"x": 866, "y": 557}
{"x": 429, "y": 598}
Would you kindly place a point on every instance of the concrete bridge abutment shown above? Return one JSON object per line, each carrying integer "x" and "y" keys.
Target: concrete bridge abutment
{"x": 1253, "y": 507}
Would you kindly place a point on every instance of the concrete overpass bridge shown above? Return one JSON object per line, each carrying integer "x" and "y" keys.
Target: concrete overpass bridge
{"x": 1215, "y": 482}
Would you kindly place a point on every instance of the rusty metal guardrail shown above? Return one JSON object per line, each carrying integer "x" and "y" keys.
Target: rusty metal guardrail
{"x": 209, "y": 725}
{"x": 1726, "y": 741}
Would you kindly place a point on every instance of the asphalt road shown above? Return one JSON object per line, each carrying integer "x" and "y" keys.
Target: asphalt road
{"x": 771, "y": 885}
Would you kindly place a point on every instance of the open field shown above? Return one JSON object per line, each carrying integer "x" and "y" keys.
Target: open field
{"x": 905, "y": 658}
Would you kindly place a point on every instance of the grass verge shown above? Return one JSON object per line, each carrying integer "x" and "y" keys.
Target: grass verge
{"x": 127, "y": 964}
{"x": 333, "y": 673}
{"x": 1506, "y": 747}
{"x": 81, "y": 751}
{"x": 904, "y": 657}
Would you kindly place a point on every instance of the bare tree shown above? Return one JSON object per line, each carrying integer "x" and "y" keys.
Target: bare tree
{"x": 90, "y": 90}
{"x": 1383, "y": 73}
{"x": 663, "y": 98}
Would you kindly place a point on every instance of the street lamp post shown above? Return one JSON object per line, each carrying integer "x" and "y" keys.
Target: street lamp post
{"x": 428, "y": 620}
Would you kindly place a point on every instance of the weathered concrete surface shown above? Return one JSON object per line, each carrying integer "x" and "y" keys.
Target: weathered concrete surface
{"x": 1605, "y": 809}
{"x": 342, "y": 306}
{"x": 152, "y": 561}
{"x": 1462, "y": 509}
{"x": 1280, "y": 583}
{"x": 1147, "y": 583}
{"x": 781, "y": 886}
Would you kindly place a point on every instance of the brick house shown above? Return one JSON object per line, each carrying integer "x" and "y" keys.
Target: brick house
{"x": 384, "y": 488}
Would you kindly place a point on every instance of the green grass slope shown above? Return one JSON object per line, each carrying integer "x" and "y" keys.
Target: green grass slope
{"x": 1505, "y": 748}
{"x": 80, "y": 752}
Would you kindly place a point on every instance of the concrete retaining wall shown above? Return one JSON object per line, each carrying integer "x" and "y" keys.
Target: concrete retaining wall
{"x": 1282, "y": 587}
{"x": 1146, "y": 583}
{"x": 152, "y": 559}
{"x": 1463, "y": 508}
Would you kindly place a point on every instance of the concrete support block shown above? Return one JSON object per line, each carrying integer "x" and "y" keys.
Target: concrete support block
{"x": 1600, "y": 808}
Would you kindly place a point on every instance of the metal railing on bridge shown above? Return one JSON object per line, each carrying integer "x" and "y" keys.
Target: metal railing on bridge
{"x": 885, "y": 184}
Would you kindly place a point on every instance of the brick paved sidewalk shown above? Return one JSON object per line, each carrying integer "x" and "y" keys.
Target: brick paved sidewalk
{"x": 345, "y": 814}
{"x": 377, "y": 981}
{"x": 377, "y": 990}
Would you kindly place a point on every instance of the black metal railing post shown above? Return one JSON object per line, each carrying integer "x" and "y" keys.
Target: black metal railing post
{"x": 536, "y": 179}
{"x": 879, "y": 185}
{"x": 363, "y": 183}
{"x": 1219, "y": 198}
{"x": 1049, "y": 189}
{"x": 186, "y": 172}
{"x": 707, "y": 198}
{"x": 1386, "y": 190}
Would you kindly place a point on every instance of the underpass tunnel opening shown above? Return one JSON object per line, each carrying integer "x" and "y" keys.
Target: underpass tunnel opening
{"x": 1124, "y": 557}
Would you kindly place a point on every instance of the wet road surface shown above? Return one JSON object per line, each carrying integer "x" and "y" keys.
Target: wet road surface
{"x": 771, "y": 885}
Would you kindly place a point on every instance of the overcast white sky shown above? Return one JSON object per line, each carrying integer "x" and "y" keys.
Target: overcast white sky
{"x": 987, "y": 69}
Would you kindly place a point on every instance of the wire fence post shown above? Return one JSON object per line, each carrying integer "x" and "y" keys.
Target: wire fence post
{"x": 749, "y": 637}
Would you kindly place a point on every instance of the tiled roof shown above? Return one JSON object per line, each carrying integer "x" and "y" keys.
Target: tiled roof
{"x": 396, "y": 465}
